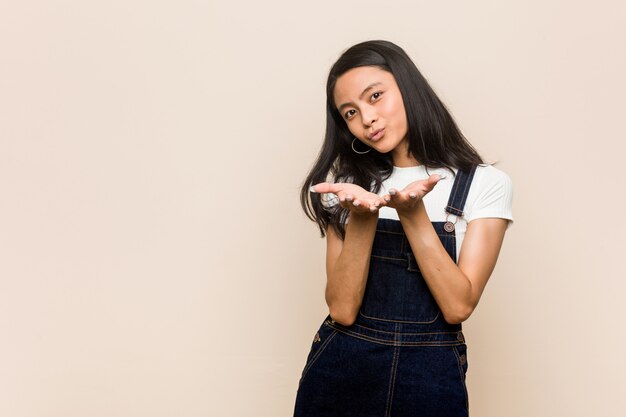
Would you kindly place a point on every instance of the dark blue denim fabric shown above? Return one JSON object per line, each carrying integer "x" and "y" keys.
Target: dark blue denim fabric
{"x": 400, "y": 358}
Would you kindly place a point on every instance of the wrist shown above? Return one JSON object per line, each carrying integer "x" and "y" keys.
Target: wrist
{"x": 364, "y": 216}
{"x": 406, "y": 212}
{"x": 412, "y": 214}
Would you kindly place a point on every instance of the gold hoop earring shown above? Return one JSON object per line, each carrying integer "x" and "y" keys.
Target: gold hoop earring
{"x": 361, "y": 153}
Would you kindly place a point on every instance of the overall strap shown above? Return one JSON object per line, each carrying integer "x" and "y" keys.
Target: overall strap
{"x": 460, "y": 190}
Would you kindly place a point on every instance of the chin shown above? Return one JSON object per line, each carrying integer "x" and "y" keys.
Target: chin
{"x": 382, "y": 148}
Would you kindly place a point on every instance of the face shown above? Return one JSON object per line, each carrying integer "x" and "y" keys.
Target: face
{"x": 368, "y": 99}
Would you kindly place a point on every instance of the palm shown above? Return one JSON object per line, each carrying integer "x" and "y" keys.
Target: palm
{"x": 352, "y": 196}
{"x": 409, "y": 196}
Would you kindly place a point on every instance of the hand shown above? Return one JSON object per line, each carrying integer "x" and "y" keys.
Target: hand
{"x": 409, "y": 197}
{"x": 351, "y": 196}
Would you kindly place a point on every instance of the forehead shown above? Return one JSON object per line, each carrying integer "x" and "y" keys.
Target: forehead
{"x": 352, "y": 82}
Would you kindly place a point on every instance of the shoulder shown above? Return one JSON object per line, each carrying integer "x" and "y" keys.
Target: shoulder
{"x": 491, "y": 194}
{"x": 490, "y": 181}
{"x": 488, "y": 175}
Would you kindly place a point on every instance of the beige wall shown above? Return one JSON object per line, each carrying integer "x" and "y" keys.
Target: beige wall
{"x": 154, "y": 260}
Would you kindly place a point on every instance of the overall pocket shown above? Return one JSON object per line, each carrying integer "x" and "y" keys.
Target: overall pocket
{"x": 396, "y": 291}
{"x": 322, "y": 338}
{"x": 460, "y": 352}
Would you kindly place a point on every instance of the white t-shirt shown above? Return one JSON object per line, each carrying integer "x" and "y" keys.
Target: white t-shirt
{"x": 490, "y": 195}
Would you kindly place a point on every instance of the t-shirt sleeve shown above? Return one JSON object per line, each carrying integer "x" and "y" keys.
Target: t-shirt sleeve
{"x": 329, "y": 200}
{"x": 495, "y": 196}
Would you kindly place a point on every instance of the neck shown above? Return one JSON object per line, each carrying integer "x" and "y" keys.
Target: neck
{"x": 402, "y": 158}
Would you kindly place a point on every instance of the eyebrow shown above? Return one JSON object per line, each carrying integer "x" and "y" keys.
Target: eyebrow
{"x": 369, "y": 87}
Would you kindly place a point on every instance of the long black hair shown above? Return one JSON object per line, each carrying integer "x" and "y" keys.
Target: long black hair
{"x": 433, "y": 136}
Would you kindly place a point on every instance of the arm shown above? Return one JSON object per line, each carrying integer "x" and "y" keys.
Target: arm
{"x": 348, "y": 260}
{"x": 347, "y": 266}
{"x": 456, "y": 288}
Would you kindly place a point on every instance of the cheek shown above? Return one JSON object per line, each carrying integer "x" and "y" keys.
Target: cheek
{"x": 394, "y": 108}
{"x": 400, "y": 114}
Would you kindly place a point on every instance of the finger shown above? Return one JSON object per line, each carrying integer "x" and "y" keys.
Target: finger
{"x": 437, "y": 177}
{"x": 356, "y": 203}
{"x": 412, "y": 195}
{"x": 346, "y": 205}
{"x": 325, "y": 187}
{"x": 434, "y": 180}
{"x": 393, "y": 192}
{"x": 347, "y": 201}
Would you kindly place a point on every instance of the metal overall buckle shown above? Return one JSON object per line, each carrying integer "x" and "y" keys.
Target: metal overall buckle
{"x": 449, "y": 226}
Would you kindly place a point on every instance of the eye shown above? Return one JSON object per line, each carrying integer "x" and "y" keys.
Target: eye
{"x": 347, "y": 114}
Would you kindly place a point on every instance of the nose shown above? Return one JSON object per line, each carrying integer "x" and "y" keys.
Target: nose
{"x": 369, "y": 116}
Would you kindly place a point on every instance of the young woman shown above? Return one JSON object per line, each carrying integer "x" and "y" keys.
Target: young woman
{"x": 414, "y": 221}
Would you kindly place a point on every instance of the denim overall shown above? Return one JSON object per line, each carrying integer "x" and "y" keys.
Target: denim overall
{"x": 400, "y": 358}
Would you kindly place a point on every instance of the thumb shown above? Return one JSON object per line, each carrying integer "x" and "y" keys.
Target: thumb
{"x": 435, "y": 178}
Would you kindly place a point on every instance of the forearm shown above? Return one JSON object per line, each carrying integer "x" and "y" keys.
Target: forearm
{"x": 348, "y": 277}
{"x": 448, "y": 284}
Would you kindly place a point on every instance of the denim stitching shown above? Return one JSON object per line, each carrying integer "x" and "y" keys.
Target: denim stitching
{"x": 466, "y": 178}
{"x": 467, "y": 182}
{"x": 392, "y": 377}
{"x": 402, "y": 321}
{"x": 408, "y": 264}
{"x": 456, "y": 190}
{"x": 388, "y": 231}
{"x": 464, "y": 195}
{"x": 462, "y": 374}
{"x": 395, "y": 343}
{"x": 383, "y": 331}
{"x": 455, "y": 211}
{"x": 387, "y": 257}
{"x": 317, "y": 355}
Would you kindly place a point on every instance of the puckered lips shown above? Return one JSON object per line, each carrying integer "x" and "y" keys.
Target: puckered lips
{"x": 376, "y": 134}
